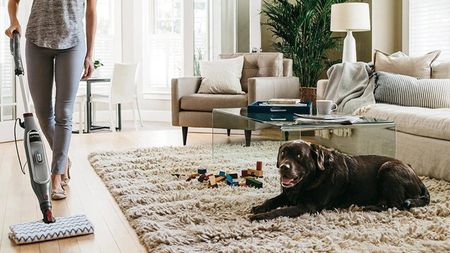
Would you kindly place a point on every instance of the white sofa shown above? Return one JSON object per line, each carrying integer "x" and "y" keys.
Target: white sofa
{"x": 423, "y": 134}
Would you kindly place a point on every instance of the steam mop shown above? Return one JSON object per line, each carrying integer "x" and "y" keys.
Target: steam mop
{"x": 50, "y": 227}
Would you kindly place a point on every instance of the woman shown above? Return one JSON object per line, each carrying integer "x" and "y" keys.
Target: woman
{"x": 56, "y": 48}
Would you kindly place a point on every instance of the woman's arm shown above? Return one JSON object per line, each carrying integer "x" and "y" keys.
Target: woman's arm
{"x": 91, "y": 27}
{"x": 13, "y": 6}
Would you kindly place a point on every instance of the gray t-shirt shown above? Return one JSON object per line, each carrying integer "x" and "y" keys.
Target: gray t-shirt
{"x": 56, "y": 24}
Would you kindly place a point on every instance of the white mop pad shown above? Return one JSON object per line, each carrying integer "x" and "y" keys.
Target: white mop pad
{"x": 39, "y": 231}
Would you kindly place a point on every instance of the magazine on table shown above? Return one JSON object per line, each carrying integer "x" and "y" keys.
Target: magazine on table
{"x": 332, "y": 118}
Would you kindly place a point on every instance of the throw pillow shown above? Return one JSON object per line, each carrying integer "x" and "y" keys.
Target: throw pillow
{"x": 258, "y": 65}
{"x": 221, "y": 76}
{"x": 400, "y": 63}
{"x": 409, "y": 91}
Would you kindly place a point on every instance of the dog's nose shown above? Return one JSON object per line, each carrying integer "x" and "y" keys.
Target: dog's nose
{"x": 285, "y": 167}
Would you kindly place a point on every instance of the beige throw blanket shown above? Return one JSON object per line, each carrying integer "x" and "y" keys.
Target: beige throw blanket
{"x": 350, "y": 86}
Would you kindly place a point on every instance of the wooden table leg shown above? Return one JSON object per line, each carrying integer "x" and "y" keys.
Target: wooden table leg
{"x": 248, "y": 137}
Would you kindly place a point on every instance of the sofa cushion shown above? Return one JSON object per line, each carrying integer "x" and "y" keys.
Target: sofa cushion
{"x": 207, "y": 102}
{"x": 400, "y": 63}
{"x": 434, "y": 123}
{"x": 440, "y": 70}
{"x": 410, "y": 91}
{"x": 258, "y": 65}
{"x": 221, "y": 76}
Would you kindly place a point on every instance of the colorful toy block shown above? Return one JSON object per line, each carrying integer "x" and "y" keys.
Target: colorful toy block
{"x": 255, "y": 173}
{"x": 201, "y": 171}
{"x": 219, "y": 179}
{"x": 222, "y": 173}
{"x": 253, "y": 182}
{"x": 259, "y": 165}
{"x": 192, "y": 176}
{"x": 234, "y": 175}
{"x": 212, "y": 180}
{"x": 244, "y": 173}
{"x": 202, "y": 178}
{"x": 231, "y": 181}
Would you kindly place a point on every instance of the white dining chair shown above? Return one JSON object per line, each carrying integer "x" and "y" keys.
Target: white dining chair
{"x": 123, "y": 90}
{"x": 80, "y": 103}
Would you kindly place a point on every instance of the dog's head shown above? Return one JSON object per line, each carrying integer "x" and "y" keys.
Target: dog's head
{"x": 297, "y": 161}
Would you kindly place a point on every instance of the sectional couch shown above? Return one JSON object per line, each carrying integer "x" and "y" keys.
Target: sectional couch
{"x": 423, "y": 134}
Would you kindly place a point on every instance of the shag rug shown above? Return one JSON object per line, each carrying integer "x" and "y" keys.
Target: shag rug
{"x": 170, "y": 214}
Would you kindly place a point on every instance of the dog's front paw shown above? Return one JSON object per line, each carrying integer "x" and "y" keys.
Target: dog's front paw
{"x": 256, "y": 217}
{"x": 260, "y": 209}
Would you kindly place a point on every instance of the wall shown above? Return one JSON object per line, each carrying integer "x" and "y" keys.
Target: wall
{"x": 387, "y": 25}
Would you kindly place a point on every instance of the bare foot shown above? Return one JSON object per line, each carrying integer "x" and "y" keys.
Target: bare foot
{"x": 56, "y": 183}
{"x": 65, "y": 178}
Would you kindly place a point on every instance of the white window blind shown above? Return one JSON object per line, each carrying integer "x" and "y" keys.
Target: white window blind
{"x": 429, "y": 27}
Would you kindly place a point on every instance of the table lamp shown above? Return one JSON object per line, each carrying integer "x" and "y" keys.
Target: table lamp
{"x": 350, "y": 17}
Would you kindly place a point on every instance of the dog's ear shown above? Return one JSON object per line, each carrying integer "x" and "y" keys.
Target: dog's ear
{"x": 279, "y": 154}
{"x": 318, "y": 155}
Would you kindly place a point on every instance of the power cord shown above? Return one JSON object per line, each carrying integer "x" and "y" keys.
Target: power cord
{"x": 22, "y": 168}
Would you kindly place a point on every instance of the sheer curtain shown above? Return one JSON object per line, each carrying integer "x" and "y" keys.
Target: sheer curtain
{"x": 429, "y": 27}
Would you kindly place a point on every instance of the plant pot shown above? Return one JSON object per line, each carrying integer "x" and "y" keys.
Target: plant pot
{"x": 308, "y": 94}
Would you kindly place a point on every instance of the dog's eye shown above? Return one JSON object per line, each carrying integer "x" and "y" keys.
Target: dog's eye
{"x": 299, "y": 156}
{"x": 282, "y": 153}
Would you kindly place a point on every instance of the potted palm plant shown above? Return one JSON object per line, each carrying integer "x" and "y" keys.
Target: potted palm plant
{"x": 301, "y": 31}
{"x": 97, "y": 65}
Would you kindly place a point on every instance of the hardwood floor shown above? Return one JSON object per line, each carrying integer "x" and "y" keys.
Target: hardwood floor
{"x": 86, "y": 193}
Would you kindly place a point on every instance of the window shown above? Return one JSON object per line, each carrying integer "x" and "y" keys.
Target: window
{"x": 107, "y": 40}
{"x": 429, "y": 27}
{"x": 201, "y": 33}
{"x": 171, "y": 38}
{"x": 7, "y": 87}
{"x": 163, "y": 46}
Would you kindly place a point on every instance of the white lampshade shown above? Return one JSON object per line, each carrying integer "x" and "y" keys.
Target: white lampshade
{"x": 350, "y": 17}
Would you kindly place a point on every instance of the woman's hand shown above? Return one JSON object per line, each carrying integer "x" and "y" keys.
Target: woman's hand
{"x": 88, "y": 68}
{"x": 13, "y": 27}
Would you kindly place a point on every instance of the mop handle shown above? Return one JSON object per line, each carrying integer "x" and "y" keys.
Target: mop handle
{"x": 15, "y": 51}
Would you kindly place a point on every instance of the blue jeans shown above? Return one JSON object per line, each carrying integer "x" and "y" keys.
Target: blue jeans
{"x": 55, "y": 118}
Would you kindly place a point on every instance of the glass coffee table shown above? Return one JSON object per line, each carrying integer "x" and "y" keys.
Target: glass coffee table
{"x": 367, "y": 136}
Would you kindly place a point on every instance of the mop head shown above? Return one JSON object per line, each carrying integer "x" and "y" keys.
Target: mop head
{"x": 39, "y": 231}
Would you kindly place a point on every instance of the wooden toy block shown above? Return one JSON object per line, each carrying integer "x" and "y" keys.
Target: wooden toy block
{"x": 234, "y": 175}
{"x": 244, "y": 173}
{"x": 253, "y": 182}
{"x": 192, "y": 176}
{"x": 230, "y": 180}
{"x": 258, "y": 165}
{"x": 202, "y": 178}
{"x": 219, "y": 179}
{"x": 255, "y": 173}
{"x": 213, "y": 186}
{"x": 212, "y": 180}
{"x": 242, "y": 183}
{"x": 201, "y": 171}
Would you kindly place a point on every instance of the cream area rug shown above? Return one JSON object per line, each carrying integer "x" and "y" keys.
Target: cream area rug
{"x": 170, "y": 214}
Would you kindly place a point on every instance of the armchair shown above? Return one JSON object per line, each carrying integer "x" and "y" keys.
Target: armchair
{"x": 264, "y": 76}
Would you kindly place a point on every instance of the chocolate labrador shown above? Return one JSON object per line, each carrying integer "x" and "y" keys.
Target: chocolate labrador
{"x": 314, "y": 178}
